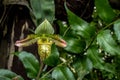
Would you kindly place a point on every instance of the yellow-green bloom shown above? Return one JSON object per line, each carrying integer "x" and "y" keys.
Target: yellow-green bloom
{"x": 44, "y": 41}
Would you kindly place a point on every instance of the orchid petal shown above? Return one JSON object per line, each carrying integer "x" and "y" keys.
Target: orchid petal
{"x": 23, "y": 43}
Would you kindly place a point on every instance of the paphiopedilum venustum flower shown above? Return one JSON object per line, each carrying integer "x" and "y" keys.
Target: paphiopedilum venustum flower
{"x": 44, "y": 38}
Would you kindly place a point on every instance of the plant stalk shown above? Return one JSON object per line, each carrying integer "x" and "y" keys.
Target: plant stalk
{"x": 40, "y": 70}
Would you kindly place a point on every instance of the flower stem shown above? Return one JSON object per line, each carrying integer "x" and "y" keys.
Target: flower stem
{"x": 40, "y": 71}
{"x": 54, "y": 68}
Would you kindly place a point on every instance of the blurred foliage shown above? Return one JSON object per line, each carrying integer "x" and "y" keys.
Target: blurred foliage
{"x": 43, "y": 9}
{"x": 8, "y": 75}
{"x": 92, "y": 51}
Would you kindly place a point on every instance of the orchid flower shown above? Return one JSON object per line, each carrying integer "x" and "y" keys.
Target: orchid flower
{"x": 44, "y": 37}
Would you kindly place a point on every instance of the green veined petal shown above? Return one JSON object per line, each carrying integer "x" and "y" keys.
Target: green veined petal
{"x": 44, "y": 28}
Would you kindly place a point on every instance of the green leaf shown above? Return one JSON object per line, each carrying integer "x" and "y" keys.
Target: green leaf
{"x": 80, "y": 26}
{"x": 104, "y": 10}
{"x": 30, "y": 63}
{"x": 63, "y": 27}
{"x": 45, "y": 79}
{"x": 65, "y": 30}
{"x": 48, "y": 9}
{"x": 97, "y": 61}
{"x": 44, "y": 28}
{"x": 82, "y": 66}
{"x": 8, "y": 75}
{"x": 53, "y": 59}
{"x": 117, "y": 29}
{"x": 106, "y": 41}
{"x": 93, "y": 55}
{"x": 43, "y": 9}
{"x": 36, "y": 7}
{"x": 62, "y": 73}
{"x": 110, "y": 67}
{"x": 75, "y": 45}
{"x": 4, "y": 78}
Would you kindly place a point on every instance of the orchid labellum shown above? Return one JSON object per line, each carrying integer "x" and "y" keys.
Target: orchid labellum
{"x": 44, "y": 36}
